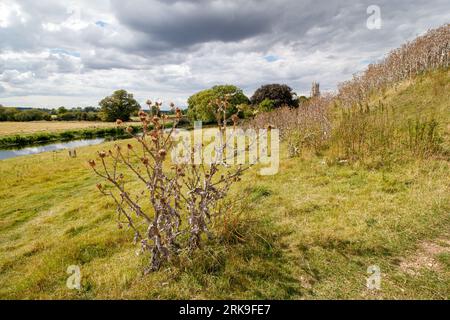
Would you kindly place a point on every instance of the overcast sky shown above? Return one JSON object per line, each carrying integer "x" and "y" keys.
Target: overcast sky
{"x": 73, "y": 53}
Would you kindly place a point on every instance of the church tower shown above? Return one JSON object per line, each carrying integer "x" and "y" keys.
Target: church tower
{"x": 315, "y": 91}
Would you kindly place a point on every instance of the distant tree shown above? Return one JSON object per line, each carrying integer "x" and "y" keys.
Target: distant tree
{"x": 280, "y": 94}
{"x": 200, "y": 107}
{"x": 302, "y": 99}
{"x": 62, "y": 110}
{"x": 90, "y": 109}
{"x": 120, "y": 105}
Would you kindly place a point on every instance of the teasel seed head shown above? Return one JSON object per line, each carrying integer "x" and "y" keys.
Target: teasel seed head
{"x": 92, "y": 163}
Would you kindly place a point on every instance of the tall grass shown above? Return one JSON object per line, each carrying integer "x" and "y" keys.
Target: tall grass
{"x": 380, "y": 135}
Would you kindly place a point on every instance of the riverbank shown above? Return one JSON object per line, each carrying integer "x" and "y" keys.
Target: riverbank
{"x": 14, "y": 141}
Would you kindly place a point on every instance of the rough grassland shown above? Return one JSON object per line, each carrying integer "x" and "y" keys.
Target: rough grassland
{"x": 12, "y": 128}
{"x": 311, "y": 231}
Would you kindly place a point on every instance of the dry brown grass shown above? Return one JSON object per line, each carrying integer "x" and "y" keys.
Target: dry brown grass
{"x": 11, "y": 128}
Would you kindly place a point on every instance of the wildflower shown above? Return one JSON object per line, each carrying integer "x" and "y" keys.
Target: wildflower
{"x": 119, "y": 122}
{"x": 130, "y": 147}
{"x": 102, "y": 154}
{"x": 149, "y": 103}
{"x": 129, "y": 129}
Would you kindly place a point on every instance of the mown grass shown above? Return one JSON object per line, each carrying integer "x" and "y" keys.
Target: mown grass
{"x": 308, "y": 232}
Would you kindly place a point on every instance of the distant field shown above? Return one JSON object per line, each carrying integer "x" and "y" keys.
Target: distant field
{"x": 11, "y": 128}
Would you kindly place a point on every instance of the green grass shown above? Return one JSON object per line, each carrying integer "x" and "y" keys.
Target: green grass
{"x": 309, "y": 232}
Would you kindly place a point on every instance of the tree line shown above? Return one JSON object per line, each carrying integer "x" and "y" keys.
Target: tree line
{"x": 122, "y": 105}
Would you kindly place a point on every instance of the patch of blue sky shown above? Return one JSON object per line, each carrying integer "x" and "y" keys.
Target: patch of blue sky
{"x": 101, "y": 23}
{"x": 271, "y": 58}
{"x": 64, "y": 51}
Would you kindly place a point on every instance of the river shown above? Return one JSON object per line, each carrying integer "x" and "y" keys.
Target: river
{"x": 12, "y": 153}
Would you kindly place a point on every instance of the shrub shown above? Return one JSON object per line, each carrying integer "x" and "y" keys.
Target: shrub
{"x": 183, "y": 191}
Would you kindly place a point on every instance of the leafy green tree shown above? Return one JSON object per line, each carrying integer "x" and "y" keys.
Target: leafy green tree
{"x": 200, "y": 104}
{"x": 302, "y": 100}
{"x": 120, "y": 105}
{"x": 62, "y": 110}
{"x": 280, "y": 94}
{"x": 266, "y": 105}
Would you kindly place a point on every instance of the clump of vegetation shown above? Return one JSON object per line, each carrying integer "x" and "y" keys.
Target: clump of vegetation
{"x": 14, "y": 114}
{"x": 189, "y": 190}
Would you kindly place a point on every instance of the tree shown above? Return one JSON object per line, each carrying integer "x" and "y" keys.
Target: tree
{"x": 280, "y": 94}
{"x": 62, "y": 110}
{"x": 200, "y": 104}
{"x": 120, "y": 105}
{"x": 266, "y": 105}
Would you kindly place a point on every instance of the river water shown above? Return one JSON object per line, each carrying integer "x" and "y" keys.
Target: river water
{"x": 6, "y": 154}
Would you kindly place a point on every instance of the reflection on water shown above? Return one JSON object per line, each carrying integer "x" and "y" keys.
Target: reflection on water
{"x": 5, "y": 154}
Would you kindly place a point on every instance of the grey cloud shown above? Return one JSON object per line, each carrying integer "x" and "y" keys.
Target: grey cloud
{"x": 183, "y": 23}
{"x": 166, "y": 49}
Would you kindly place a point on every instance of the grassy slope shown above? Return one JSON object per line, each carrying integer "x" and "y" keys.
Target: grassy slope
{"x": 310, "y": 231}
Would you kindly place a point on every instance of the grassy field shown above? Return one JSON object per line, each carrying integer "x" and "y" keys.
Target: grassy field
{"x": 309, "y": 232}
{"x": 12, "y": 128}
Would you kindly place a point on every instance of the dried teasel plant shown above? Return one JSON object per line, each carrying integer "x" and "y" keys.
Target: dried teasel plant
{"x": 307, "y": 127}
{"x": 183, "y": 198}
{"x": 427, "y": 52}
